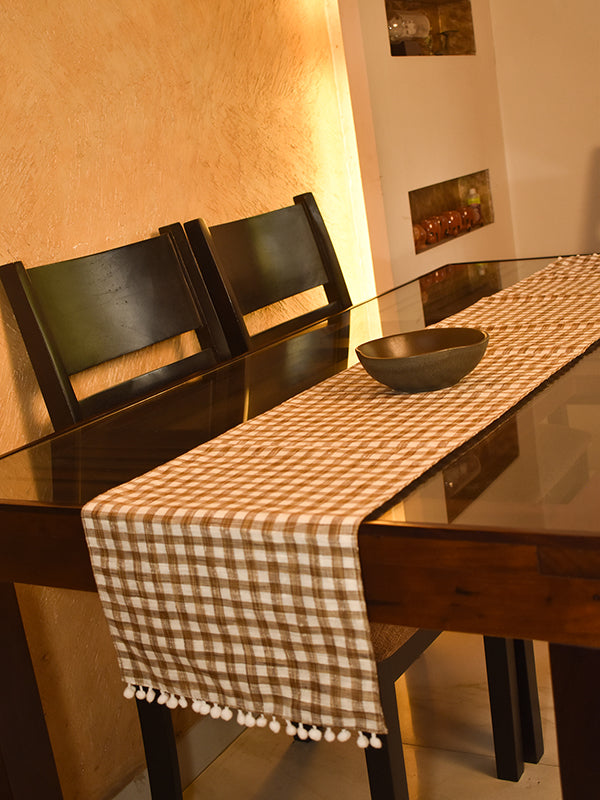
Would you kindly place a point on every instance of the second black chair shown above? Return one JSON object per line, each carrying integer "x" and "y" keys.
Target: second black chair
{"x": 251, "y": 263}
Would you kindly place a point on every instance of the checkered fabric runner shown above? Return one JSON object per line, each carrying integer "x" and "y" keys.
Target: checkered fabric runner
{"x": 230, "y": 576}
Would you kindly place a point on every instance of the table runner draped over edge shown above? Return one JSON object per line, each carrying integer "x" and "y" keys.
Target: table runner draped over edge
{"x": 230, "y": 576}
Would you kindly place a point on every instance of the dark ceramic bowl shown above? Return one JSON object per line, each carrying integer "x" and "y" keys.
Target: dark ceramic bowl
{"x": 424, "y": 360}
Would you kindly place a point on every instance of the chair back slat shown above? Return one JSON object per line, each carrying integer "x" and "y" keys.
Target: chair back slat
{"x": 253, "y": 251}
{"x": 118, "y": 302}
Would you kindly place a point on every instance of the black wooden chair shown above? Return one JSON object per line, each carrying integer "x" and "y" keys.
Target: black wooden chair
{"x": 252, "y": 263}
{"x": 77, "y": 314}
{"x": 514, "y": 708}
{"x": 80, "y": 313}
{"x": 513, "y": 696}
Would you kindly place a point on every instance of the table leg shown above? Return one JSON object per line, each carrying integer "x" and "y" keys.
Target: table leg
{"x": 575, "y": 672}
{"x": 27, "y": 770}
{"x": 529, "y": 701}
{"x": 504, "y": 706}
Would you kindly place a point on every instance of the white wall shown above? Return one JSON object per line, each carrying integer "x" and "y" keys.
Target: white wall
{"x": 548, "y": 66}
{"x": 433, "y": 119}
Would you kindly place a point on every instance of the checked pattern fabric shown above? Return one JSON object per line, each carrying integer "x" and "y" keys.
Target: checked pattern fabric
{"x": 230, "y": 576}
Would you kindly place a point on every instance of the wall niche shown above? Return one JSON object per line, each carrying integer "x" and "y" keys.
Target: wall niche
{"x": 443, "y": 211}
{"x": 430, "y": 27}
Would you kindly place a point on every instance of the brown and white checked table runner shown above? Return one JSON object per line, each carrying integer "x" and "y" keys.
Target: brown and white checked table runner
{"x": 230, "y": 576}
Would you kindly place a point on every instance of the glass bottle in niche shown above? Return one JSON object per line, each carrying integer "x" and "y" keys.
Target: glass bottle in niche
{"x": 409, "y": 25}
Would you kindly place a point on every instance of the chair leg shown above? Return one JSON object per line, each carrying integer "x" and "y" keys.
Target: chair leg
{"x": 529, "y": 702}
{"x": 385, "y": 773}
{"x": 504, "y": 707}
{"x": 385, "y": 767}
{"x": 161, "y": 751}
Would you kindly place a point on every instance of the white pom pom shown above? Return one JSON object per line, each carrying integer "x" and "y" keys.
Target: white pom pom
{"x": 129, "y": 691}
{"x": 249, "y": 720}
{"x": 315, "y": 734}
{"x": 215, "y": 711}
{"x": 362, "y": 740}
{"x": 329, "y": 735}
{"x": 343, "y": 735}
{"x": 226, "y": 714}
{"x": 162, "y": 698}
{"x": 140, "y": 694}
{"x": 241, "y": 718}
{"x": 204, "y": 708}
{"x": 172, "y": 702}
{"x": 275, "y": 725}
{"x": 150, "y": 695}
{"x": 289, "y": 728}
{"x": 197, "y": 705}
{"x": 183, "y": 703}
{"x": 261, "y": 721}
{"x": 302, "y": 733}
{"x": 375, "y": 742}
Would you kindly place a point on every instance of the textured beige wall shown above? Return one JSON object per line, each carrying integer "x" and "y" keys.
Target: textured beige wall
{"x": 118, "y": 117}
{"x": 121, "y": 117}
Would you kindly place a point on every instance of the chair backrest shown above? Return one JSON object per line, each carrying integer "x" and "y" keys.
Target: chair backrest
{"x": 252, "y": 263}
{"x": 82, "y": 312}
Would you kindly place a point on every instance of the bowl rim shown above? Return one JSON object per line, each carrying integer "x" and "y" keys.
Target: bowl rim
{"x": 484, "y": 339}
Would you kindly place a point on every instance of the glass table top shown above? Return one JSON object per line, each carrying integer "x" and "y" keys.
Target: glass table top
{"x": 537, "y": 468}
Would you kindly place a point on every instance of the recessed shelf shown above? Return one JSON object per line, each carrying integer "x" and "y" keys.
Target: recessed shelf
{"x": 442, "y": 211}
{"x": 430, "y": 27}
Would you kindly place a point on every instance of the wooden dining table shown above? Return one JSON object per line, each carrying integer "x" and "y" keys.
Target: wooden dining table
{"x": 502, "y": 537}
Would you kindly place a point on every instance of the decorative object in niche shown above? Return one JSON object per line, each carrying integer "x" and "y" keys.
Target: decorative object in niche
{"x": 409, "y": 26}
{"x": 451, "y": 208}
{"x": 430, "y": 27}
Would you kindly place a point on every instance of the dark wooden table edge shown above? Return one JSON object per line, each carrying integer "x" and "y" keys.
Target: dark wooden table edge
{"x": 45, "y": 545}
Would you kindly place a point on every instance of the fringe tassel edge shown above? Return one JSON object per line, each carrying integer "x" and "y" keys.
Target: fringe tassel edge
{"x": 249, "y": 720}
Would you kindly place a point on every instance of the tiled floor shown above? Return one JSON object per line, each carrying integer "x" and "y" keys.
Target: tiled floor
{"x": 447, "y": 743}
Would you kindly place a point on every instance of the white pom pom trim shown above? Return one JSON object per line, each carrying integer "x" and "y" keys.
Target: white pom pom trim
{"x": 248, "y": 718}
